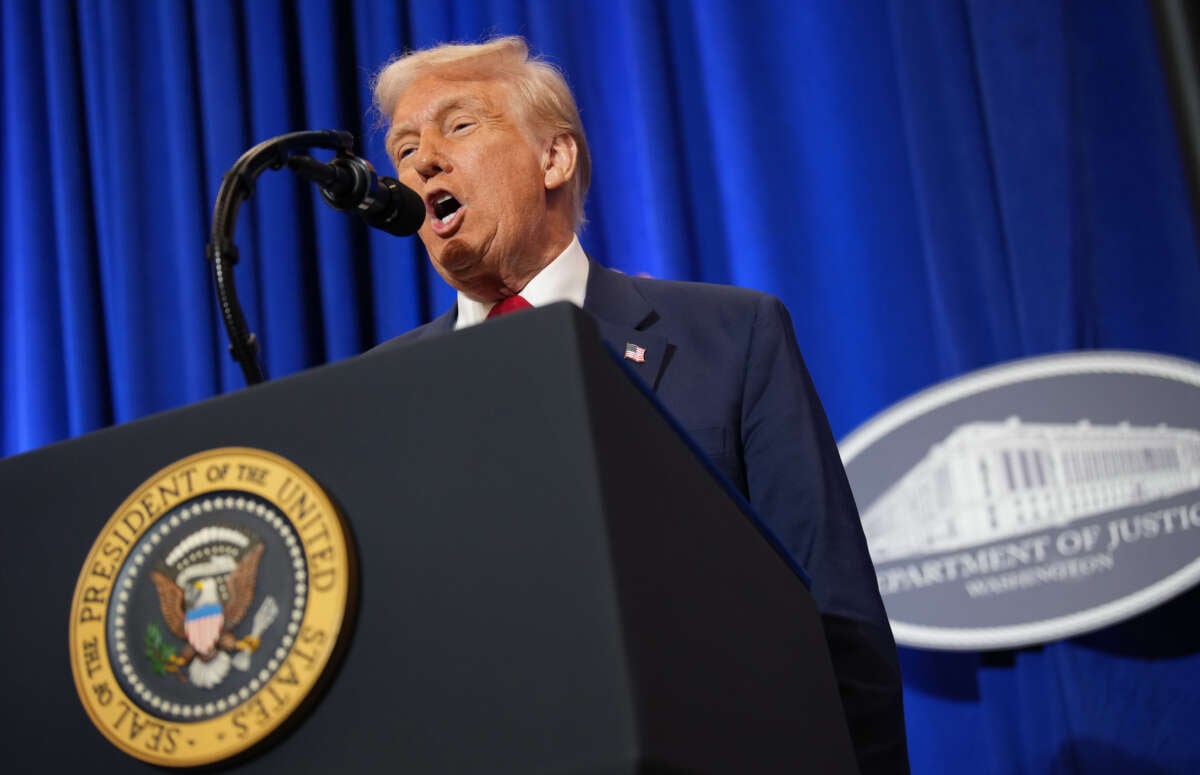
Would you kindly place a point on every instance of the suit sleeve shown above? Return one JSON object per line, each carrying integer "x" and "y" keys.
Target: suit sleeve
{"x": 796, "y": 483}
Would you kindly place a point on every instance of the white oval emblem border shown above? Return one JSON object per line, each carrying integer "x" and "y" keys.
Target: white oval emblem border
{"x": 1040, "y": 367}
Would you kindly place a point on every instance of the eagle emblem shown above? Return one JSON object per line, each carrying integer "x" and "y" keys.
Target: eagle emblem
{"x": 205, "y": 589}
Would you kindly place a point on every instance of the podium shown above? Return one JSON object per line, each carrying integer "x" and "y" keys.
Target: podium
{"x": 551, "y": 578}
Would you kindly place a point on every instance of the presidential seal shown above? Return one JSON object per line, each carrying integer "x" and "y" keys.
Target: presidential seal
{"x": 210, "y": 606}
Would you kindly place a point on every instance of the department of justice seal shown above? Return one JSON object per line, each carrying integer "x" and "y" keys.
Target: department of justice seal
{"x": 209, "y": 607}
{"x": 1033, "y": 500}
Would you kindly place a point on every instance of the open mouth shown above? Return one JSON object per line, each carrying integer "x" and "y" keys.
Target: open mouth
{"x": 445, "y": 210}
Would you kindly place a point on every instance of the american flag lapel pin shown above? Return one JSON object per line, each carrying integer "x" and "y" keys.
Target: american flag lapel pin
{"x": 635, "y": 353}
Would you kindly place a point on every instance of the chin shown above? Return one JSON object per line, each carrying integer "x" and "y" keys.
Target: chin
{"x": 457, "y": 259}
{"x": 464, "y": 274}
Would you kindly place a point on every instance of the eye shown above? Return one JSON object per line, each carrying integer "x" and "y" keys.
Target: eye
{"x": 461, "y": 125}
{"x": 405, "y": 151}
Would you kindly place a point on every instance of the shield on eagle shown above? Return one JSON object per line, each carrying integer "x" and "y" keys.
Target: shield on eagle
{"x": 203, "y": 627}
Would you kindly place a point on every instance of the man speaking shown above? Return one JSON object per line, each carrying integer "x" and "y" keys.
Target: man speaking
{"x": 491, "y": 139}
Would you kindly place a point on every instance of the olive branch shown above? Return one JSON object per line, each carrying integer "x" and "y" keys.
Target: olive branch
{"x": 160, "y": 653}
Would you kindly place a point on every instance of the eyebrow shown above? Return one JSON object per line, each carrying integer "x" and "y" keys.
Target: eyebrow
{"x": 440, "y": 109}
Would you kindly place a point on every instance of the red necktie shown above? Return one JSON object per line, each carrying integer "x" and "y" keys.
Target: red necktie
{"x": 511, "y": 304}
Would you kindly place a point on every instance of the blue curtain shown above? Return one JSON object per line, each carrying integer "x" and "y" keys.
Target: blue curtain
{"x": 931, "y": 186}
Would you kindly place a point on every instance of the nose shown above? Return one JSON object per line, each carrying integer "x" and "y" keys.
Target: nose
{"x": 430, "y": 160}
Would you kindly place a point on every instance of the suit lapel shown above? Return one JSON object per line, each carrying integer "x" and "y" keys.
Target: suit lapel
{"x": 624, "y": 317}
{"x": 443, "y": 323}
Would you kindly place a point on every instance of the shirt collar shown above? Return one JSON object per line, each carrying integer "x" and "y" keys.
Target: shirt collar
{"x": 563, "y": 279}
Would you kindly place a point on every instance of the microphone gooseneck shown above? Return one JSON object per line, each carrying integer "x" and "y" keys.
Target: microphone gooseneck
{"x": 348, "y": 183}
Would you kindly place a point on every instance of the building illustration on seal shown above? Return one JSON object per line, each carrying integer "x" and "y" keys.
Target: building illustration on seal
{"x": 989, "y": 481}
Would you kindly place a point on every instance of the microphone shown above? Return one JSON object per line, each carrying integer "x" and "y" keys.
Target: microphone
{"x": 350, "y": 183}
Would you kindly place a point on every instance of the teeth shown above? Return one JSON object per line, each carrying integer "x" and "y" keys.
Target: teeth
{"x": 444, "y": 198}
{"x": 446, "y": 221}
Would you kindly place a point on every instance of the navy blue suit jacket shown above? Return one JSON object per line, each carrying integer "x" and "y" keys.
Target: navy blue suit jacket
{"x": 725, "y": 363}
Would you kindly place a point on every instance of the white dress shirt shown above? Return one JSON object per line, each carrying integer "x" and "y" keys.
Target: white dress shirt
{"x": 563, "y": 279}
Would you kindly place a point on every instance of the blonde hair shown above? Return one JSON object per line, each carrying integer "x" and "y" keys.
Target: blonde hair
{"x": 544, "y": 100}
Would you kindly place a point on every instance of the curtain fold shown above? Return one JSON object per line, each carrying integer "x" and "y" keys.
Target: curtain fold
{"x": 932, "y": 186}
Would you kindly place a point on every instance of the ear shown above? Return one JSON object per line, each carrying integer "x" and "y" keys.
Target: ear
{"x": 558, "y": 161}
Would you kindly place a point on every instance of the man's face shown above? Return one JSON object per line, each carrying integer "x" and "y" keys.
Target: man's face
{"x": 461, "y": 146}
